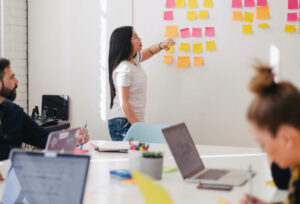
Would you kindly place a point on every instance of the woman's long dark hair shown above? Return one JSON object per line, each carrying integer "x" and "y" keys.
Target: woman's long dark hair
{"x": 120, "y": 49}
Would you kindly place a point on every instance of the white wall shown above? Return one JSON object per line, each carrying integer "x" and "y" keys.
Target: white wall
{"x": 68, "y": 55}
{"x": 67, "y": 48}
{"x": 14, "y": 43}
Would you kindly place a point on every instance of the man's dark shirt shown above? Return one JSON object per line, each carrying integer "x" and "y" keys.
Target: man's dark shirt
{"x": 18, "y": 127}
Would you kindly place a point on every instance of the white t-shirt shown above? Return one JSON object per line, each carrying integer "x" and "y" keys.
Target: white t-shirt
{"x": 129, "y": 75}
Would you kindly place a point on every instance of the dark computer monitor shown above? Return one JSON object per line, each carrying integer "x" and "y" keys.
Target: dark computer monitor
{"x": 56, "y": 105}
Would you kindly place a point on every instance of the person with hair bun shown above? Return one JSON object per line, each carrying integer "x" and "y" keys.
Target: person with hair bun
{"x": 274, "y": 120}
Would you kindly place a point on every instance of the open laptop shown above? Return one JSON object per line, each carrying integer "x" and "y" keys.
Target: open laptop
{"x": 63, "y": 141}
{"x": 191, "y": 165}
{"x": 47, "y": 178}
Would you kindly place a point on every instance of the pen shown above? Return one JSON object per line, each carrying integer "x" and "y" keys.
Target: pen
{"x": 250, "y": 184}
{"x": 82, "y": 139}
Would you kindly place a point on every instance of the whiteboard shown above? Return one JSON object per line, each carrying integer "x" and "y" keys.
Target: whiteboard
{"x": 212, "y": 99}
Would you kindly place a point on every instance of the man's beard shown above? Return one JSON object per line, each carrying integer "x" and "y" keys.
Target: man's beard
{"x": 8, "y": 93}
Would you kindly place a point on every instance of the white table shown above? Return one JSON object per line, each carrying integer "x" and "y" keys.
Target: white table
{"x": 102, "y": 189}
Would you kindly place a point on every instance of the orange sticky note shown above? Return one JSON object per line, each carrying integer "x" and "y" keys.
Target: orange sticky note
{"x": 221, "y": 201}
{"x": 248, "y": 16}
{"x": 171, "y": 31}
{"x": 168, "y": 59}
{"x": 210, "y": 45}
{"x": 289, "y": 28}
{"x": 299, "y": 29}
{"x": 247, "y": 29}
{"x": 183, "y": 61}
{"x": 180, "y": 4}
{"x": 197, "y": 48}
{"x": 208, "y": 3}
{"x": 237, "y": 15}
{"x": 198, "y": 61}
{"x": 203, "y": 14}
{"x": 262, "y": 12}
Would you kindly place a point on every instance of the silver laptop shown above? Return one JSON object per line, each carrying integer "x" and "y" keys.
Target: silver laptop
{"x": 190, "y": 164}
{"x": 47, "y": 178}
{"x": 63, "y": 141}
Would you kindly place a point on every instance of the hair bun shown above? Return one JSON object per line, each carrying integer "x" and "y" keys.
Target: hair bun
{"x": 263, "y": 80}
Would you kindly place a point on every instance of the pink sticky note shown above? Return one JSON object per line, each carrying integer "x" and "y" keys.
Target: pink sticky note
{"x": 209, "y": 31}
{"x": 170, "y": 3}
{"x": 249, "y": 3}
{"x": 196, "y": 32}
{"x": 293, "y": 4}
{"x": 292, "y": 17}
{"x": 261, "y": 2}
{"x": 236, "y": 3}
{"x": 185, "y": 32}
{"x": 168, "y": 15}
{"x": 80, "y": 151}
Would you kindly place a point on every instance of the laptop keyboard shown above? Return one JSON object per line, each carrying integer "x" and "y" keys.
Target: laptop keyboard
{"x": 213, "y": 174}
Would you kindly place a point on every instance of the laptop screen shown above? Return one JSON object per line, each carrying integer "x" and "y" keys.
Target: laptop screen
{"x": 36, "y": 178}
{"x": 183, "y": 149}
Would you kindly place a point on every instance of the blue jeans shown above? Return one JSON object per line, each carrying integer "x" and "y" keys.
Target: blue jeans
{"x": 118, "y": 128}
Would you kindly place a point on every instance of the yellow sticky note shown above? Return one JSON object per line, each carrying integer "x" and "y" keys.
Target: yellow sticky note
{"x": 263, "y": 25}
{"x": 171, "y": 31}
{"x": 247, "y": 29}
{"x": 168, "y": 59}
{"x": 185, "y": 47}
{"x": 191, "y": 15}
{"x": 151, "y": 191}
{"x": 203, "y": 14}
{"x": 221, "y": 201}
{"x": 198, "y": 61}
{"x": 192, "y": 4}
{"x": 210, "y": 45}
{"x": 237, "y": 15}
{"x": 171, "y": 49}
{"x": 183, "y": 61}
{"x": 208, "y": 3}
{"x": 271, "y": 183}
{"x": 180, "y": 3}
{"x": 289, "y": 28}
{"x": 248, "y": 16}
{"x": 197, "y": 48}
{"x": 262, "y": 12}
{"x": 299, "y": 29}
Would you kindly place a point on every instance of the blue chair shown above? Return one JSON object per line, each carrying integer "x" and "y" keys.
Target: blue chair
{"x": 147, "y": 133}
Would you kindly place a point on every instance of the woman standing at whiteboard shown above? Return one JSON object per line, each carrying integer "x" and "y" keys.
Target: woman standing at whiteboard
{"x": 127, "y": 79}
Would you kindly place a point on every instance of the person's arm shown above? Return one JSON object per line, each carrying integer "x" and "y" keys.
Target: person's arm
{"x": 152, "y": 50}
{"x": 125, "y": 105}
{"x": 34, "y": 134}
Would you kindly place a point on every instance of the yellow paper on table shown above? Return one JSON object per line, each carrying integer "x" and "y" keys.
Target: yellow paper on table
{"x": 185, "y": 47}
{"x": 171, "y": 49}
{"x": 151, "y": 191}
{"x": 210, "y": 45}
{"x": 171, "y": 31}
{"x": 197, "y": 48}
{"x": 208, "y": 3}
{"x": 192, "y": 4}
{"x": 237, "y": 15}
{"x": 262, "y": 12}
{"x": 289, "y": 28}
{"x": 247, "y": 29}
{"x": 168, "y": 59}
{"x": 198, "y": 61}
{"x": 248, "y": 16}
{"x": 180, "y": 3}
{"x": 183, "y": 61}
{"x": 221, "y": 201}
{"x": 191, "y": 15}
{"x": 263, "y": 25}
{"x": 203, "y": 14}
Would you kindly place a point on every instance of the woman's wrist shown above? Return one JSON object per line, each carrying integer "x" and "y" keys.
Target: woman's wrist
{"x": 159, "y": 45}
